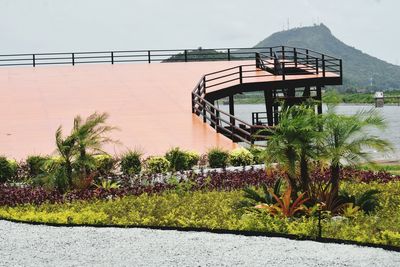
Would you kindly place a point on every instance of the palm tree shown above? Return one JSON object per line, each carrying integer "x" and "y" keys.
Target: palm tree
{"x": 86, "y": 139}
{"x": 293, "y": 141}
{"x": 90, "y": 135}
{"x": 345, "y": 139}
{"x": 66, "y": 148}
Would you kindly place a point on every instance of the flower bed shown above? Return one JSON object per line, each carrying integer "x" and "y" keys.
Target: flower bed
{"x": 11, "y": 195}
{"x": 218, "y": 210}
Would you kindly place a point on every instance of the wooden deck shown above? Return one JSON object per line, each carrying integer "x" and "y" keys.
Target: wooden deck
{"x": 150, "y": 103}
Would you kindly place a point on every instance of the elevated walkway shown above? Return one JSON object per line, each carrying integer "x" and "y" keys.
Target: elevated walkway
{"x": 148, "y": 102}
{"x": 287, "y": 77}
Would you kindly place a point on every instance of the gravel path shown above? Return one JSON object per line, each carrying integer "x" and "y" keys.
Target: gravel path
{"x": 27, "y": 245}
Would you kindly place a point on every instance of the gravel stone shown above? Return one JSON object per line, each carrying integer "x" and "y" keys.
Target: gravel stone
{"x": 38, "y": 245}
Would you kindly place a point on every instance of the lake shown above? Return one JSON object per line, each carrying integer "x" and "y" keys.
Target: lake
{"x": 390, "y": 113}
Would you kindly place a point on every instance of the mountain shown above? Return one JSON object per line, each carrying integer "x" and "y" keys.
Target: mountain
{"x": 359, "y": 69}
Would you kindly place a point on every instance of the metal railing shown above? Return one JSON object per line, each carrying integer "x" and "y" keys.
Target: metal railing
{"x": 286, "y": 56}
{"x": 231, "y": 126}
{"x": 286, "y": 60}
{"x": 133, "y": 56}
{"x": 279, "y": 61}
{"x": 259, "y": 118}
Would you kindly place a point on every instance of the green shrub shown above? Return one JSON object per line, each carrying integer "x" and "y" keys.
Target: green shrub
{"x": 52, "y": 174}
{"x": 391, "y": 238}
{"x": 36, "y": 164}
{"x": 257, "y": 153}
{"x": 52, "y": 163}
{"x": 131, "y": 163}
{"x": 8, "y": 169}
{"x": 178, "y": 159}
{"x": 193, "y": 158}
{"x": 240, "y": 157}
{"x": 58, "y": 179}
{"x": 217, "y": 157}
{"x": 157, "y": 165}
{"x": 107, "y": 184}
{"x": 104, "y": 163}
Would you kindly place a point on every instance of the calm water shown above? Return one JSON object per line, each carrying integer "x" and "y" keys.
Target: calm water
{"x": 390, "y": 113}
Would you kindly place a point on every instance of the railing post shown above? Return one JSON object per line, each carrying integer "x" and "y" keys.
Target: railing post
{"x": 204, "y": 112}
{"x": 185, "y": 55}
{"x": 148, "y": 56}
{"x": 229, "y": 54}
{"x": 307, "y": 56}
{"x": 257, "y": 60}
{"x": 295, "y": 57}
{"x": 204, "y": 84}
{"x": 240, "y": 75}
{"x": 212, "y": 115}
{"x": 232, "y": 121}
{"x": 112, "y": 58}
{"x": 283, "y": 52}
{"x": 341, "y": 69}
{"x": 192, "y": 102}
{"x": 34, "y": 60}
{"x": 73, "y": 59}
{"x": 316, "y": 65}
{"x": 283, "y": 71}
{"x": 217, "y": 121}
{"x": 323, "y": 65}
{"x": 270, "y": 52}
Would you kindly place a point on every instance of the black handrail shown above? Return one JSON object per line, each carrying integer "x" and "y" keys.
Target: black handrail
{"x": 163, "y": 55}
{"x": 275, "y": 63}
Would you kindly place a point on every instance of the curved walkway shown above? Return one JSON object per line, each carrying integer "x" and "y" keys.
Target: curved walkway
{"x": 28, "y": 245}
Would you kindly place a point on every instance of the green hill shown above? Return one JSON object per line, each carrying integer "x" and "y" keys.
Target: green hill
{"x": 359, "y": 69}
{"x": 198, "y": 55}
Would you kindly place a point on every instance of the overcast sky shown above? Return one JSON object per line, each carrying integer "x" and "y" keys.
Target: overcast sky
{"x": 88, "y": 25}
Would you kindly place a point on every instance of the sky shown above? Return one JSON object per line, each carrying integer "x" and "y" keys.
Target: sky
{"x": 33, "y": 26}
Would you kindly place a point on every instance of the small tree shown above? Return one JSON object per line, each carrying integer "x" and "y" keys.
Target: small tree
{"x": 293, "y": 143}
{"x": 90, "y": 136}
{"x": 77, "y": 150}
{"x": 346, "y": 137}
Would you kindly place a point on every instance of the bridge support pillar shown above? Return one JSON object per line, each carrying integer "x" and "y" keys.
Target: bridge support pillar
{"x": 276, "y": 109}
{"x": 269, "y": 105}
{"x": 319, "y": 98}
{"x": 306, "y": 92}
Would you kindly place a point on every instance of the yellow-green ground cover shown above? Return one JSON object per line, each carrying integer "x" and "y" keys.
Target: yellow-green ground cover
{"x": 219, "y": 210}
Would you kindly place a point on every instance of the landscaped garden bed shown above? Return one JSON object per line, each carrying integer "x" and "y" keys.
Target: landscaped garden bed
{"x": 303, "y": 194}
{"x": 209, "y": 200}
